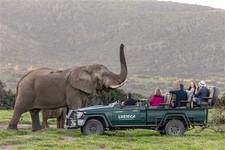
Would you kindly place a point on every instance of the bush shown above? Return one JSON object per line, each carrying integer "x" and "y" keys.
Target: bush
{"x": 218, "y": 117}
{"x": 7, "y": 97}
{"x": 106, "y": 97}
{"x": 110, "y": 97}
{"x": 220, "y": 103}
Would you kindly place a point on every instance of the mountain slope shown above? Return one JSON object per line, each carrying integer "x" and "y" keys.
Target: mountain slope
{"x": 161, "y": 38}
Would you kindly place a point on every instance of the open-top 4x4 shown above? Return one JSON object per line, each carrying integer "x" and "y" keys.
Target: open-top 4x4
{"x": 166, "y": 120}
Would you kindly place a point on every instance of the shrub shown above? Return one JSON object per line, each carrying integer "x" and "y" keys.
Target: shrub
{"x": 110, "y": 97}
{"x": 7, "y": 97}
{"x": 220, "y": 102}
{"x": 218, "y": 117}
{"x": 106, "y": 97}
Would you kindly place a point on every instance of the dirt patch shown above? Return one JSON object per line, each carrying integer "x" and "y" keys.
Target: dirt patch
{"x": 6, "y": 147}
{"x": 102, "y": 145}
{"x": 25, "y": 136}
{"x": 67, "y": 138}
{"x": 20, "y": 126}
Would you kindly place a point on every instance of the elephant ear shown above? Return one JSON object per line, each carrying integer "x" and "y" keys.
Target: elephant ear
{"x": 80, "y": 78}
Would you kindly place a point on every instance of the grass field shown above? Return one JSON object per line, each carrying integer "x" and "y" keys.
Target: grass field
{"x": 138, "y": 139}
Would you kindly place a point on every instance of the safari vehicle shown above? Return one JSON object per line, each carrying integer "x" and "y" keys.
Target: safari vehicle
{"x": 166, "y": 120}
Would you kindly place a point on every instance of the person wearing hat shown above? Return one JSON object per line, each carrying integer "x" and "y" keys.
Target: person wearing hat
{"x": 202, "y": 92}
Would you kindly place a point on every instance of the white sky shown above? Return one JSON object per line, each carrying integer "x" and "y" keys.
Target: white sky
{"x": 212, "y": 3}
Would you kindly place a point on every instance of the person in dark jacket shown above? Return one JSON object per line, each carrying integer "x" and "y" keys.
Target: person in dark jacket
{"x": 202, "y": 92}
{"x": 181, "y": 95}
{"x": 130, "y": 100}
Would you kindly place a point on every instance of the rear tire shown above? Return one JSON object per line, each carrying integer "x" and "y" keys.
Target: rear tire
{"x": 93, "y": 126}
{"x": 175, "y": 128}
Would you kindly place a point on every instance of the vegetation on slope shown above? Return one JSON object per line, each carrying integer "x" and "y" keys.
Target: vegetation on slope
{"x": 161, "y": 38}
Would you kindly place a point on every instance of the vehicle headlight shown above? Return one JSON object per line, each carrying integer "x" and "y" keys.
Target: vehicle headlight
{"x": 79, "y": 114}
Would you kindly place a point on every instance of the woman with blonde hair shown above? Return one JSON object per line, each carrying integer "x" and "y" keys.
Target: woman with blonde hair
{"x": 157, "y": 98}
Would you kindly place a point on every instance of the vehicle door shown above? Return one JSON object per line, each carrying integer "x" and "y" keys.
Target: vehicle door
{"x": 129, "y": 115}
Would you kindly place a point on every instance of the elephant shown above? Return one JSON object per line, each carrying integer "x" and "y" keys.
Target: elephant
{"x": 59, "y": 114}
{"x": 47, "y": 88}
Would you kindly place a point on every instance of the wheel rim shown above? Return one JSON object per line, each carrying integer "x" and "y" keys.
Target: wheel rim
{"x": 174, "y": 129}
{"x": 93, "y": 128}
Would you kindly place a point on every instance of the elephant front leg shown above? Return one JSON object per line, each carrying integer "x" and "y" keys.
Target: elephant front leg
{"x": 47, "y": 125}
{"x": 35, "y": 120}
{"x": 61, "y": 121}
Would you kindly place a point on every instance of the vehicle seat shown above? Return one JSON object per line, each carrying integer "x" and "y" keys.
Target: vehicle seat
{"x": 209, "y": 101}
{"x": 167, "y": 101}
{"x": 189, "y": 98}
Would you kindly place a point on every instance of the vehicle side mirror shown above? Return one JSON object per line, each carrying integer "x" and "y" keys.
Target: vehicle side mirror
{"x": 122, "y": 104}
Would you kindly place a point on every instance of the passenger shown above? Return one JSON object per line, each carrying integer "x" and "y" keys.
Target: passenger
{"x": 157, "y": 98}
{"x": 202, "y": 92}
{"x": 193, "y": 88}
{"x": 130, "y": 100}
{"x": 181, "y": 95}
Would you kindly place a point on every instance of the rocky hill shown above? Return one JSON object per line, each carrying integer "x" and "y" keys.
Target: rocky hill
{"x": 161, "y": 38}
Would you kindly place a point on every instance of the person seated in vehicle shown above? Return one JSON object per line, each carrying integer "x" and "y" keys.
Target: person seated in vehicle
{"x": 202, "y": 92}
{"x": 181, "y": 95}
{"x": 157, "y": 98}
{"x": 130, "y": 100}
{"x": 193, "y": 88}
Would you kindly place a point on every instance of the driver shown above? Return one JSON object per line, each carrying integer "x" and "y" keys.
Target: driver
{"x": 130, "y": 100}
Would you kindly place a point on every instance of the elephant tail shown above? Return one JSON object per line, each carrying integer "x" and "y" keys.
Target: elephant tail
{"x": 17, "y": 86}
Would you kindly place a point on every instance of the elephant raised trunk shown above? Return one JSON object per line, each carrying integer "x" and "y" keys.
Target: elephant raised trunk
{"x": 117, "y": 80}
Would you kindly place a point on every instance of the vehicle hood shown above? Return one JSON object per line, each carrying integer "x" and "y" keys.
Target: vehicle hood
{"x": 95, "y": 108}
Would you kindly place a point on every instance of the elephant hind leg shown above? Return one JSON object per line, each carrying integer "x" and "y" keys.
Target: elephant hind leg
{"x": 14, "y": 121}
{"x": 35, "y": 119}
{"x": 59, "y": 122}
{"x": 45, "y": 124}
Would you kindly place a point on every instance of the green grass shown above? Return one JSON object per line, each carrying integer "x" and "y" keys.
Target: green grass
{"x": 6, "y": 115}
{"x": 129, "y": 139}
{"x": 138, "y": 139}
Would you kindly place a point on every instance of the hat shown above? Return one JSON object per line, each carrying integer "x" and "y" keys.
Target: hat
{"x": 202, "y": 83}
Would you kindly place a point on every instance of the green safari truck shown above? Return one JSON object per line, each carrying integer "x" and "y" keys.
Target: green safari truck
{"x": 169, "y": 121}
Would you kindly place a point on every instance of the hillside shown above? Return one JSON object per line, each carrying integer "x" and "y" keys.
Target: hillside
{"x": 161, "y": 38}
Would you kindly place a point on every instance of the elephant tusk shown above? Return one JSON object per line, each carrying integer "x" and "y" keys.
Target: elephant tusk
{"x": 117, "y": 86}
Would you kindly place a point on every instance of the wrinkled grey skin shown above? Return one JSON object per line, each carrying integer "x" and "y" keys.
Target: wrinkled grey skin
{"x": 47, "y": 88}
{"x": 59, "y": 114}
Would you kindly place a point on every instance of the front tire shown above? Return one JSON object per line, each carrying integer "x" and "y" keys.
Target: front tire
{"x": 93, "y": 126}
{"x": 175, "y": 128}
